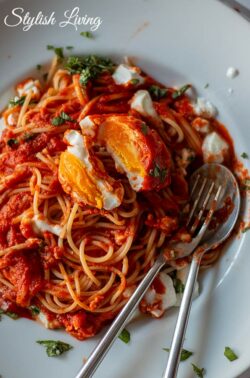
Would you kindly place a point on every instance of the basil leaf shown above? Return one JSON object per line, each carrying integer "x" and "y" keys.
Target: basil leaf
{"x": 178, "y": 285}
{"x": 244, "y": 155}
{"x": 12, "y": 142}
{"x": 229, "y": 354}
{"x": 34, "y": 310}
{"x": 69, "y": 47}
{"x": 179, "y": 92}
{"x": 87, "y": 34}
{"x": 17, "y": 101}
{"x": 125, "y": 336}
{"x": 185, "y": 354}
{"x": 54, "y": 348}
{"x": 199, "y": 372}
{"x": 38, "y": 67}
{"x": 59, "y": 120}
{"x": 10, "y": 314}
{"x": 159, "y": 172}
{"x": 156, "y": 92}
{"x": 134, "y": 81}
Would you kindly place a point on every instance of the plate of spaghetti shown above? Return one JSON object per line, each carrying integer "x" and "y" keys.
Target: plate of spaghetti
{"x": 97, "y": 148}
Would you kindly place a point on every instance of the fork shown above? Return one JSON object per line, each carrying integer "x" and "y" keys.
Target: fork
{"x": 202, "y": 191}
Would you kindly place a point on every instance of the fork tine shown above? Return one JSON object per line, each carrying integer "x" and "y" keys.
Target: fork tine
{"x": 197, "y": 199}
{"x": 203, "y": 207}
{"x": 195, "y": 185}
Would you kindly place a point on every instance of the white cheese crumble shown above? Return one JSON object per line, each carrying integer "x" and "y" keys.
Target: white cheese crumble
{"x": 30, "y": 85}
{"x": 204, "y": 108}
{"x": 124, "y": 74}
{"x": 88, "y": 126}
{"x": 214, "y": 148}
{"x": 232, "y": 72}
{"x": 2, "y": 126}
{"x": 40, "y": 226}
{"x": 201, "y": 125}
{"x": 143, "y": 104}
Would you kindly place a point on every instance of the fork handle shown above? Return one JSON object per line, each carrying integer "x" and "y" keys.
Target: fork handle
{"x": 118, "y": 324}
{"x": 182, "y": 320}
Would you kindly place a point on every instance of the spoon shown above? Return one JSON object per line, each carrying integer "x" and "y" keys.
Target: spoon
{"x": 212, "y": 239}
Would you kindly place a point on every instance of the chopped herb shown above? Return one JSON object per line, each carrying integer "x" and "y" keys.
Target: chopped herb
{"x": 158, "y": 172}
{"x": 50, "y": 47}
{"x": 206, "y": 86}
{"x": 38, "y": 67}
{"x": 12, "y": 142}
{"x": 28, "y": 136}
{"x": 157, "y": 92}
{"x": 245, "y": 229}
{"x": 88, "y": 67}
{"x": 69, "y": 47}
{"x": 229, "y": 353}
{"x": 178, "y": 285}
{"x": 45, "y": 76}
{"x": 10, "y": 314}
{"x": 125, "y": 336}
{"x": 34, "y": 310}
{"x": 179, "y": 92}
{"x": 87, "y": 34}
{"x": 244, "y": 155}
{"x": 17, "y": 101}
{"x": 57, "y": 50}
{"x": 199, "y": 372}
{"x": 134, "y": 81}
{"x": 144, "y": 128}
{"x": 246, "y": 184}
{"x": 57, "y": 121}
{"x": 54, "y": 348}
{"x": 185, "y": 354}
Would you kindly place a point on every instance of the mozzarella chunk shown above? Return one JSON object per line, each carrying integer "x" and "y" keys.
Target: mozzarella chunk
{"x": 88, "y": 126}
{"x": 46, "y": 323}
{"x": 232, "y": 72}
{"x": 202, "y": 125}
{"x": 214, "y": 148}
{"x": 40, "y": 226}
{"x": 124, "y": 74}
{"x": 30, "y": 85}
{"x": 2, "y": 126}
{"x": 204, "y": 108}
{"x": 143, "y": 104}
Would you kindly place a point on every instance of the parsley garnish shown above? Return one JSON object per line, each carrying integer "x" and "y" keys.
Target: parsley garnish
{"x": 34, "y": 310}
{"x": 178, "y": 285}
{"x": 87, "y": 34}
{"x": 206, "y": 86}
{"x": 57, "y": 50}
{"x": 246, "y": 184}
{"x": 134, "y": 81}
{"x": 12, "y": 142}
{"x": 10, "y": 314}
{"x": 229, "y": 353}
{"x": 125, "y": 336}
{"x": 54, "y": 348}
{"x": 88, "y": 67}
{"x": 50, "y": 47}
{"x": 17, "y": 101}
{"x": 244, "y": 155}
{"x": 57, "y": 121}
{"x": 199, "y": 372}
{"x": 245, "y": 229}
{"x": 179, "y": 92}
{"x": 185, "y": 354}
{"x": 157, "y": 92}
{"x": 144, "y": 128}
{"x": 69, "y": 47}
{"x": 38, "y": 67}
{"x": 158, "y": 172}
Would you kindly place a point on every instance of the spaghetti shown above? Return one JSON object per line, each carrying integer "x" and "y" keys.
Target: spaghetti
{"x": 63, "y": 249}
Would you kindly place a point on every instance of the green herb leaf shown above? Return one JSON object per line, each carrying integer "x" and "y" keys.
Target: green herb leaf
{"x": 57, "y": 50}
{"x": 28, "y": 136}
{"x": 50, "y": 47}
{"x": 179, "y": 286}
{"x": 88, "y": 67}
{"x": 12, "y": 142}
{"x": 134, "y": 81}
{"x": 144, "y": 128}
{"x": 185, "y": 354}
{"x": 199, "y": 372}
{"x": 38, "y": 67}
{"x": 87, "y": 34}
{"x": 244, "y": 155}
{"x": 179, "y": 92}
{"x": 54, "y": 348}
{"x": 159, "y": 172}
{"x": 206, "y": 86}
{"x": 57, "y": 121}
{"x": 17, "y": 101}
{"x": 125, "y": 336}
{"x": 34, "y": 310}
{"x": 245, "y": 229}
{"x": 229, "y": 353}
{"x": 156, "y": 92}
{"x": 246, "y": 184}
{"x": 69, "y": 47}
{"x": 10, "y": 314}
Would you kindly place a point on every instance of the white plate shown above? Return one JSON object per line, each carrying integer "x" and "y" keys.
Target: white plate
{"x": 176, "y": 42}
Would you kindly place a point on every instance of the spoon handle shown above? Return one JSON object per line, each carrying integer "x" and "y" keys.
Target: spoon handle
{"x": 118, "y": 324}
{"x": 182, "y": 320}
